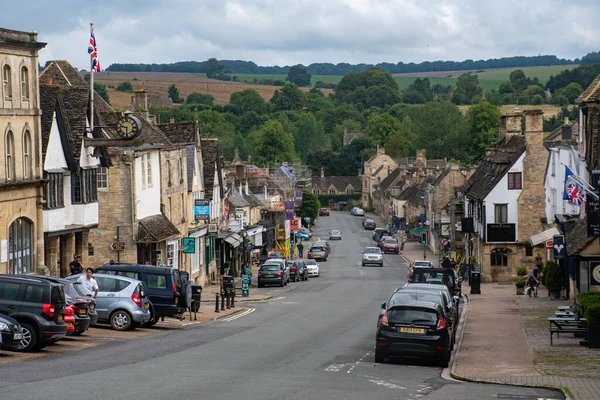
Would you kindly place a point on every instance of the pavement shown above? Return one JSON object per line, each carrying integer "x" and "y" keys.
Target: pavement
{"x": 313, "y": 340}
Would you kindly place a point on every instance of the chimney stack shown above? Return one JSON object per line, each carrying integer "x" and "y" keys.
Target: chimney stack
{"x": 567, "y": 130}
{"x": 510, "y": 124}
{"x": 141, "y": 102}
{"x": 172, "y": 120}
{"x": 152, "y": 119}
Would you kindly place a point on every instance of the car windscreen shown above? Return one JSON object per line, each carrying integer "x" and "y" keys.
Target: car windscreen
{"x": 421, "y": 275}
{"x": 422, "y": 296}
{"x": 316, "y": 248}
{"x": 422, "y": 264}
{"x": 372, "y": 250}
{"x": 412, "y": 315}
{"x": 270, "y": 267}
{"x": 310, "y": 262}
{"x": 391, "y": 241}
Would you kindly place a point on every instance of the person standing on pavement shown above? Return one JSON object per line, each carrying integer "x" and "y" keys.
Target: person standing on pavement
{"x": 89, "y": 284}
{"x": 75, "y": 265}
{"x": 300, "y": 249}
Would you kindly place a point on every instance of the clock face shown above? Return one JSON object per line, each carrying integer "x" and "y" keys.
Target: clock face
{"x": 128, "y": 127}
{"x": 596, "y": 275}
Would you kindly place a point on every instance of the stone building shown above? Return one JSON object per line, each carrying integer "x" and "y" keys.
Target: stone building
{"x": 21, "y": 185}
{"x": 336, "y": 184}
{"x": 375, "y": 169}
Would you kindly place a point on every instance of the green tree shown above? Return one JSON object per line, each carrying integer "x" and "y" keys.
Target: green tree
{"x": 467, "y": 88}
{"x": 309, "y": 136}
{"x": 212, "y": 68}
{"x": 298, "y": 75}
{"x": 532, "y": 90}
{"x": 346, "y": 126}
{"x": 418, "y": 92}
{"x": 396, "y": 146}
{"x": 570, "y": 92}
{"x": 380, "y": 127}
{"x": 483, "y": 120}
{"x": 354, "y": 155}
{"x": 248, "y": 100}
{"x": 214, "y": 124}
{"x": 506, "y": 87}
{"x": 101, "y": 90}
{"x": 174, "y": 94}
{"x": 353, "y": 87}
{"x": 272, "y": 144}
{"x": 309, "y": 207}
{"x": 288, "y": 97}
{"x": 200, "y": 98}
{"x": 518, "y": 80}
{"x": 125, "y": 87}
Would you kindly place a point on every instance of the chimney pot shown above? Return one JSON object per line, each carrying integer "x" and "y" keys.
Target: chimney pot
{"x": 172, "y": 120}
{"x": 48, "y": 81}
{"x": 152, "y": 119}
{"x": 567, "y": 121}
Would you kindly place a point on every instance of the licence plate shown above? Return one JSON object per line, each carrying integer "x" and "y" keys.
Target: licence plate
{"x": 146, "y": 305}
{"x": 70, "y": 325}
{"x": 81, "y": 312}
{"x": 412, "y": 330}
{"x": 176, "y": 300}
{"x": 60, "y": 317}
{"x": 18, "y": 336}
{"x": 270, "y": 275}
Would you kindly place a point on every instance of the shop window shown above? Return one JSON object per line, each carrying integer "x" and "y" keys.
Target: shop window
{"x": 499, "y": 257}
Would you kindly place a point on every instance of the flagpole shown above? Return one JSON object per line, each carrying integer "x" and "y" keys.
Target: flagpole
{"x": 92, "y": 88}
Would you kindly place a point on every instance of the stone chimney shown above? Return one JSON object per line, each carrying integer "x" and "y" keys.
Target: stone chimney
{"x": 567, "y": 130}
{"x": 246, "y": 188}
{"x": 380, "y": 150}
{"x": 531, "y": 209}
{"x": 322, "y": 172}
{"x": 152, "y": 119}
{"x": 422, "y": 158}
{"x": 172, "y": 120}
{"x": 141, "y": 102}
{"x": 510, "y": 124}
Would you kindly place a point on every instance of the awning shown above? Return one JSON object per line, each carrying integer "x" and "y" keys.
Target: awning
{"x": 544, "y": 236}
{"x": 234, "y": 240}
{"x": 255, "y": 231}
{"x": 418, "y": 230}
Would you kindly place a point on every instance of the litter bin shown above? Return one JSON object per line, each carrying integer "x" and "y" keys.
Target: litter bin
{"x": 475, "y": 281}
{"x": 227, "y": 282}
{"x": 196, "y": 297}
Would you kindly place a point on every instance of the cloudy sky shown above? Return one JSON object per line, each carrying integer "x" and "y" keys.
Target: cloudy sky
{"x": 282, "y": 32}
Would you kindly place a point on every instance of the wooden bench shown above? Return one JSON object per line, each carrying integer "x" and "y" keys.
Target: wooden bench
{"x": 565, "y": 308}
{"x": 564, "y": 314}
{"x": 560, "y": 325}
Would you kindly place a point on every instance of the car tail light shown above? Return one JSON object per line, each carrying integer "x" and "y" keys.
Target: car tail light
{"x": 384, "y": 320}
{"x": 174, "y": 287}
{"x": 75, "y": 309}
{"x": 259, "y": 274}
{"x": 48, "y": 310}
{"x": 441, "y": 324}
{"x": 136, "y": 299}
{"x": 293, "y": 269}
{"x": 280, "y": 273}
{"x": 69, "y": 312}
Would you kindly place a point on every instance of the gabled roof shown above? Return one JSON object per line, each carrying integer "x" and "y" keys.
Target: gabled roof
{"x": 63, "y": 74}
{"x": 442, "y": 176}
{"x": 418, "y": 197}
{"x": 156, "y": 228}
{"x": 210, "y": 160}
{"x": 179, "y": 132}
{"x": 497, "y": 163}
{"x": 557, "y": 134}
{"x": 576, "y": 238}
{"x": 252, "y": 200}
{"x": 236, "y": 199}
{"x": 408, "y": 193}
{"x": 591, "y": 93}
{"x": 384, "y": 184}
{"x": 339, "y": 182}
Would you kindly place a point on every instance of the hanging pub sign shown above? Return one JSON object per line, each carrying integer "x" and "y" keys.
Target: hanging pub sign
{"x": 289, "y": 210}
{"x": 592, "y": 208}
{"x": 298, "y": 198}
{"x": 559, "y": 247}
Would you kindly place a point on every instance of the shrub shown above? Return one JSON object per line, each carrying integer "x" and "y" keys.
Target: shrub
{"x": 588, "y": 298}
{"x": 125, "y": 87}
{"x": 520, "y": 283}
{"x": 553, "y": 277}
{"x": 592, "y": 314}
{"x": 521, "y": 271}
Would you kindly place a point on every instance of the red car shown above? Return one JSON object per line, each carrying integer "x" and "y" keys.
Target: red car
{"x": 323, "y": 211}
{"x": 390, "y": 246}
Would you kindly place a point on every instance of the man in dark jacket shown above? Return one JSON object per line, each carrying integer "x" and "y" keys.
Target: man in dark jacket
{"x": 75, "y": 265}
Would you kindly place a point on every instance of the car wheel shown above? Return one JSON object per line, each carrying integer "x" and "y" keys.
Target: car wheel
{"x": 444, "y": 362}
{"x": 120, "y": 320}
{"x": 76, "y": 333}
{"x": 30, "y": 341}
{"x": 379, "y": 356}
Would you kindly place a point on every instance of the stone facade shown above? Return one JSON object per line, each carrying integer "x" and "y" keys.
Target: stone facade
{"x": 375, "y": 170}
{"x": 21, "y": 196}
{"x": 173, "y": 166}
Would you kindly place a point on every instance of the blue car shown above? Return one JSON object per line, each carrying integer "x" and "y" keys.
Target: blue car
{"x": 302, "y": 236}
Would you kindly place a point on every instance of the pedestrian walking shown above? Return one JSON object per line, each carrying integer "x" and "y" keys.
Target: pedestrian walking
{"x": 89, "y": 284}
{"x": 300, "y": 250}
{"x": 75, "y": 265}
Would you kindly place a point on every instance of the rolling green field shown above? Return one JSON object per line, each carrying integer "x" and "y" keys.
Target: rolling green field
{"x": 488, "y": 80}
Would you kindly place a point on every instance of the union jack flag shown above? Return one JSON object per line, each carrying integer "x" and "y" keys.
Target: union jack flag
{"x": 574, "y": 192}
{"x": 93, "y": 52}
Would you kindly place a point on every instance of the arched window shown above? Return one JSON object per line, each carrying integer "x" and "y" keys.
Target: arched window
{"x": 7, "y": 82}
{"x": 20, "y": 247}
{"x": 10, "y": 156}
{"x": 27, "y": 173}
{"x": 24, "y": 83}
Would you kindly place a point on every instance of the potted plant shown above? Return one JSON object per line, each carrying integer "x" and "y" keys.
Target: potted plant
{"x": 521, "y": 272}
{"x": 520, "y": 285}
{"x": 553, "y": 279}
{"x": 592, "y": 318}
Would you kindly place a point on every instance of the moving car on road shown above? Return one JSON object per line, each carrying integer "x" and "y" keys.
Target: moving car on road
{"x": 414, "y": 329}
{"x": 390, "y": 245}
{"x": 369, "y": 224}
{"x": 359, "y": 212}
{"x": 378, "y": 234}
{"x": 318, "y": 252}
{"x": 312, "y": 268}
{"x": 323, "y": 212}
{"x": 335, "y": 235}
{"x": 372, "y": 255}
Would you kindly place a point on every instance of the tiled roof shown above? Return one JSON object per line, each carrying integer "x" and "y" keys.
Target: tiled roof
{"x": 63, "y": 73}
{"x": 236, "y": 199}
{"x": 592, "y": 92}
{"x": 557, "y": 134}
{"x": 339, "y": 182}
{"x": 156, "y": 228}
{"x": 210, "y": 158}
{"x": 384, "y": 184}
{"x": 494, "y": 167}
{"x": 408, "y": 193}
{"x": 576, "y": 238}
{"x": 179, "y": 132}
{"x": 418, "y": 197}
{"x": 155, "y": 100}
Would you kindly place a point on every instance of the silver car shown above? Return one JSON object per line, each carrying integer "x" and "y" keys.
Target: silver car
{"x": 122, "y": 302}
{"x": 372, "y": 255}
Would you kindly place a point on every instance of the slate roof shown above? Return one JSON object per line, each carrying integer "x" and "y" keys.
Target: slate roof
{"x": 557, "y": 134}
{"x": 179, "y": 132}
{"x": 408, "y": 193}
{"x": 63, "y": 74}
{"x": 442, "y": 176}
{"x": 494, "y": 167}
{"x": 236, "y": 199}
{"x": 384, "y": 184}
{"x": 210, "y": 158}
{"x": 339, "y": 182}
{"x": 576, "y": 238}
{"x": 156, "y": 228}
{"x": 378, "y": 170}
{"x": 418, "y": 197}
{"x": 253, "y": 200}
{"x": 591, "y": 93}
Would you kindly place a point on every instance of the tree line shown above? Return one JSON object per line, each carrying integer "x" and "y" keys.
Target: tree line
{"x": 249, "y": 67}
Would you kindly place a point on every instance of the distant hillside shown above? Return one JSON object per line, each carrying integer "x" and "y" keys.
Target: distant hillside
{"x": 249, "y": 67}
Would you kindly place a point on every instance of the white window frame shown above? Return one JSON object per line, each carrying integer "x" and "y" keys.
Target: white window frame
{"x": 24, "y": 83}
{"x": 143, "y": 163}
{"x": 149, "y": 170}
{"x": 102, "y": 178}
{"x": 173, "y": 254}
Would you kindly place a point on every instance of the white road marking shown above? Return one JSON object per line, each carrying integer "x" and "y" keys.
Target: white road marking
{"x": 240, "y": 315}
{"x": 362, "y": 273}
{"x": 388, "y": 385}
{"x": 335, "y": 367}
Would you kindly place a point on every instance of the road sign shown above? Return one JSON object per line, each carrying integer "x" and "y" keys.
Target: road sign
{"x": 444, "y": 242}
{"x": 117, "y": 246}
{"x": 549, "y": 244}
{"x": 189, "y": 245}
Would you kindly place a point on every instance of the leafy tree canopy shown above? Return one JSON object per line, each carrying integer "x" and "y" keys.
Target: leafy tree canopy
{"x": 174, "y": 94}
{"x": 288, "y": 97}
{"x": 248, "y": 100}
{"x": 271, "y": 144}
{"x": 310, "y": 206}
{"x": 199, "y": 98}
{"x": 298, "y": 75}
{"x": 212, "y": 68}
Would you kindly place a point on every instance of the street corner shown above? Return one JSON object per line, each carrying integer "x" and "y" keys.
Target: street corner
{"x": 233, "y": 314}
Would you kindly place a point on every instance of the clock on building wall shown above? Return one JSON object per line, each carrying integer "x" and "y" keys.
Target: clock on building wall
{"x": 129, "y": 127}
{"x": 595, "y": 274}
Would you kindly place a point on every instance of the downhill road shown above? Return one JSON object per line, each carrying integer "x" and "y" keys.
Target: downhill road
{"x": 316, "y": 342}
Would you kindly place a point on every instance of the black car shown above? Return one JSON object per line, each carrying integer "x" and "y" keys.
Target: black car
{"x": 413, "y": 329}
{"x": 298, "y": 271}
{"x": 38, "y": 305}
{"x": 369, "y": 224}
{"x": 11, "y": 333}
{"x": 453, "y": 301}
{"x": 165, "y": 288}
{"x": 271, "y": 274}
{"x": 440, "y": 276}
{"x": 379, "y": 234}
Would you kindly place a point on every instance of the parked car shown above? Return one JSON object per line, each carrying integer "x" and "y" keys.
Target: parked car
{"x": 318, "y": 252}
{"x": 324, "y": 243}
{"x": 75, "y": 293}
{"x": 372, "y": 255}
{"x": 305, "y": 231}
{"x": 335, "y": 235}
{"x": 38, "y": 305}
{"x": 369, "y": 224}
{"x": 380, "y": 234}
{"x": 323, "y": 212}
{"x": 445, "y": 276}
{"x": 452, "y": 300}
{"x": 359, "y": 212}
{"x": 122, "y": 302}
{"x": 271, "y": 273}
{"x": 163, "y": 286}
{"x": 283, "y": 265}
{"x": 383, "y": 239}
{"x": 11, "y": 333}
{"x": 414, "y": 329}
{"x": 390, "y": 246}
{"x": 376, "y": 233}
{"x": 70, "y": 319}
{"x": 312, "y": 268}
{"x": 298, "y": 271}
{"x": 353, "y": 210}
{"x": 418, "y": 264}
{"x": 303, "y": 236}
